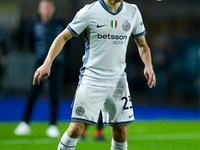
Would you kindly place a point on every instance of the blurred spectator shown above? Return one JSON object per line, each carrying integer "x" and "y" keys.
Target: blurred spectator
{"x": 161, "y": 60}
{"x": 44, "y": 29}
{"x": 3, "y": 60}
{"x": 134, "y": 71}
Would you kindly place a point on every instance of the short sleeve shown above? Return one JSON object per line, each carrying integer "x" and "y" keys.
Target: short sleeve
{"x": 139, "y": 29}
{"x": 80, "y": 22}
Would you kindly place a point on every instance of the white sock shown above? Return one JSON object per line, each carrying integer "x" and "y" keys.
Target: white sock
{"x": 118, "y": 145}
{"x": 67, "y": 143}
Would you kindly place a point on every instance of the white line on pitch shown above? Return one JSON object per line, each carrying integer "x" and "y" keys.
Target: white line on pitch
{"x": 172, "y": 136}
{"x": 28, "y": 141}
{"x": 150, "y": 137}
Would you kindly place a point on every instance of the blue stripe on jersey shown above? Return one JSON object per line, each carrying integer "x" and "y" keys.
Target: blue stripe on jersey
{"x": 87, "y": 53}
{"x": 83, "y": 120}
{"x": 119, "y": 123}
{"x": 72, "y": 31}
{"x": 108, "y": 10}
{"x": 72, "y": 104}
{"x": 138, "y": 35}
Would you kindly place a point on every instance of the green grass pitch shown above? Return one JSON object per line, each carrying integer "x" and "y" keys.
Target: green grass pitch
{"x": 143, "y": 135}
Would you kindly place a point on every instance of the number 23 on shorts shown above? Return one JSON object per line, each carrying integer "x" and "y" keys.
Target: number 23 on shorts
{"x": 126, "y": 100}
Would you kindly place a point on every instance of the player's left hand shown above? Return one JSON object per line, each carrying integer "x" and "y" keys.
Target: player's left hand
{"x": 150, "y": 76}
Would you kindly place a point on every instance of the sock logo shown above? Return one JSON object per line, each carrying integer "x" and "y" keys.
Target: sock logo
{"x": 80, "y": 111}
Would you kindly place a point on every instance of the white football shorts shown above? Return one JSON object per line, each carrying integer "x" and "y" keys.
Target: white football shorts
{"x": 114, "y": 102}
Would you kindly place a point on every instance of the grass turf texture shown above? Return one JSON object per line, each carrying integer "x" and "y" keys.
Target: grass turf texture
{"x": 143, "y": 135}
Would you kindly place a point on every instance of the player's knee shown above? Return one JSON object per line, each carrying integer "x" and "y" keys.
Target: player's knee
{"x": 120, "y": 129}
{"x": 119, "y": 133}
{"x": 75, "y": 129}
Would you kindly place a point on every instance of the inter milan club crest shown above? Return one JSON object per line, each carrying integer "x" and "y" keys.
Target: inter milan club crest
{"x": 114, "y": 24}
{"x": 80, "y": 111}
{"x": 126, "y": 25}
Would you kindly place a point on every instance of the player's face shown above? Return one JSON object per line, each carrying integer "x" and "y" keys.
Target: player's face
{"x": 46, "y": 11}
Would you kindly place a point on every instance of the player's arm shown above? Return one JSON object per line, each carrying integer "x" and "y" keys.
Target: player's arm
{"x": 145, "y": 55}
{"x": 43, "y": 72}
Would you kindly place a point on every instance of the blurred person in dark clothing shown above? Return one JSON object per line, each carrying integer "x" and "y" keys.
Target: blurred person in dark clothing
{"x": 44, "y": 29}
{"x": 2, "y": 67}
{"x": 3, "y": 59}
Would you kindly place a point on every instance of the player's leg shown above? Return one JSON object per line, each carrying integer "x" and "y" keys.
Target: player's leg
{"x": 85, "y": 110}
{"x": 118, "y": 113}
{"x": 98, "y": 131}
{"x": 87, "y": 104}
{"x": 70, "y": 137}
{"x": 119, "y": 141}
{"x": 84, "y": 133}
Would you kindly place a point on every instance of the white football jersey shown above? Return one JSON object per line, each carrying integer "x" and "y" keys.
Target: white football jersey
{"x": 106, "y": 39}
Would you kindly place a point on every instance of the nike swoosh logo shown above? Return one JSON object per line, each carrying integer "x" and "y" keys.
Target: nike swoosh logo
{"x": 99, "y": 26}
{"x": 130, "y": 116}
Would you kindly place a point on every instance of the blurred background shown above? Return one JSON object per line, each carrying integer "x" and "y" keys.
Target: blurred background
{"x": 173, "y": 34}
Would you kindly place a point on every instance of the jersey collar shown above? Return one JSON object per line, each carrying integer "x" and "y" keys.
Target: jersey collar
{"x": 108, "y": 10}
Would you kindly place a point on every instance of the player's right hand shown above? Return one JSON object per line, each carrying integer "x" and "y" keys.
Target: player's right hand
{"x": 42, "y": 73}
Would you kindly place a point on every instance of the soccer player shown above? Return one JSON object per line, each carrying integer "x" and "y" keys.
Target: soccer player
{"x": 107, "y": 26}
